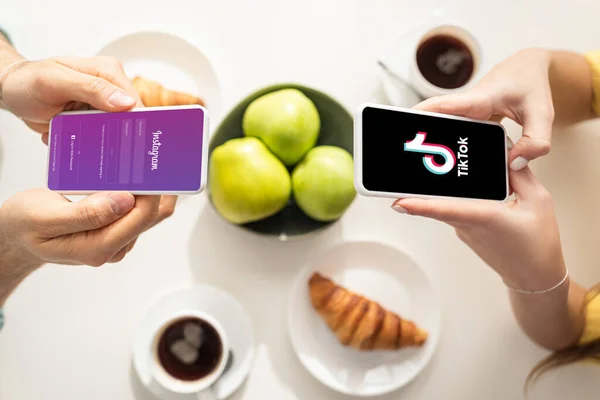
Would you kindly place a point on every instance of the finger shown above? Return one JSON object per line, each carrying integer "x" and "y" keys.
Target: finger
{"x": 93, "y": 90}
{"x": 536, "y": 139}
{"x": 131, "y": 245}
{"x": 119, "y": 256}
{"x": 37, "y": 127}
{"x": 94, "y": 212}
{"x": 128, "y": 228}
{"x": 108, "y": 68}
{"x": 470, "y": 105}
{"x": 525, "y": 184}
{"x": 509, "y": 143}
{"x": 123, "y": 252}
{"x": 97, "y": 247}
{"x": 45, "y": 138}
{"x": 452, "y": 211}
{"x": 166, "y": 208}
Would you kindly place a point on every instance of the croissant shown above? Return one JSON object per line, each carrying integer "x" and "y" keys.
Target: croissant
{"x": 153, "y": 94}
{"x": 359, "y": 322}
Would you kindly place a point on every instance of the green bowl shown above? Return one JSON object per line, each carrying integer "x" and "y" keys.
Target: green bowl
{"x": 336, "y": 130}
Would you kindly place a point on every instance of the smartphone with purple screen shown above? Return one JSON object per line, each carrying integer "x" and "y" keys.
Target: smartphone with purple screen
{"x": 156, "y": 150}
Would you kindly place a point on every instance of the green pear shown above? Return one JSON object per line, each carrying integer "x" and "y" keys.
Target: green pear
{"x": 247, "y": 182}
{"x": 323, "y": 183}
{"x": 287, "y": 121}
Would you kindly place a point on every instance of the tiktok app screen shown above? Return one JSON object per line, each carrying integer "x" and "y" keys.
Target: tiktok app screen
{"x": 427, "y": 155}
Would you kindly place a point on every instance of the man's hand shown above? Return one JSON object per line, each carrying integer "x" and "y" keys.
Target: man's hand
{"x": 42, "y": 226}
{"x": 37, "y": 91}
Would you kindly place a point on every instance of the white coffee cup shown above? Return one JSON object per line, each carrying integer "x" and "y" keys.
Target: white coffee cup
{"x": 201, "y": 387}
{"x": 420, "y": 83}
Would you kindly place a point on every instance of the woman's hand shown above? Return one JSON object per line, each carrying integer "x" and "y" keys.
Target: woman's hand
{"x": 519, "y": 89}
{"x": 519, "y": 239}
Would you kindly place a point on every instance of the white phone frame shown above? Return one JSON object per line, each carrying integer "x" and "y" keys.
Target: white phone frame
{"x": 358, "y": 156}
{"x": 204, "y": 166}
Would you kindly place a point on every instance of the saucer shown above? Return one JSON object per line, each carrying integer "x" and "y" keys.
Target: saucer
{"x": 170, "y": 60}
{"x": 222, "y": 306}
{"x": 383, "y": 274}
{"x": 396, "y": 57}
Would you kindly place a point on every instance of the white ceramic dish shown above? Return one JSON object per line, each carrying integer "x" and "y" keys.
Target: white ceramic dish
{"x": 172, "y": 61}
{"x": 215, "y": 302}
{"x": 385, "y": 275}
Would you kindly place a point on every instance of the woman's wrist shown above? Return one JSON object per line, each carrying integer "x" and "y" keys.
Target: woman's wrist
{"x": 539, "y": 57}
{"x": 537, "y": 279}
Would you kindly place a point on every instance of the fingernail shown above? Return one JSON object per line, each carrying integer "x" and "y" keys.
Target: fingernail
{"x": 120, "y": 99}
{"x": 400, "y": 209}
{"x": 509, "y": 143}
{"x": 120, "y": 203}
{"x": 519, "y": 163}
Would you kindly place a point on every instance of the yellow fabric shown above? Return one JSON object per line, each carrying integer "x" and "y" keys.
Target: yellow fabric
{"x": 591, "y": 331}
{"x": 593, "y": 59}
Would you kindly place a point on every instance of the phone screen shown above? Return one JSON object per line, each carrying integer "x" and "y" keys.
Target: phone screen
{"x": 144, "y": 150}
{"x": 409, "y": 153}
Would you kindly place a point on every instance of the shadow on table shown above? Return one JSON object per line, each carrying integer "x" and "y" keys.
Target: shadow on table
{"x": 1, "y": 156}
{"x": 140, "y": 392}
{"x": 235, "y": 259}
{"x": 259, "y": 272}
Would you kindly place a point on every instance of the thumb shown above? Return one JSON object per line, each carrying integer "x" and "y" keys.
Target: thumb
{"x": 470, "y": 105}
{"x": 94, "y": 212}
{"x": 95, "y": 91}
{"x": 451, "y": 211}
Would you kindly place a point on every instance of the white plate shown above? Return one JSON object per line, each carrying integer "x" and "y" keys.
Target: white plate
{"x": 383, "y": 274}
{"x": 221, "y": 305}
{"x": 397, "y": 56}
{"x": 172, "y": 61}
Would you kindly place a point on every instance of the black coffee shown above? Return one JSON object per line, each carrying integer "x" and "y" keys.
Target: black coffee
{"x": 445, "y": 61}
{"x": 190, "y": 349}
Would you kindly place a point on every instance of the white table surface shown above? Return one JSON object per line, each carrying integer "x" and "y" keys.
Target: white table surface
{"x": 69, "y": 329}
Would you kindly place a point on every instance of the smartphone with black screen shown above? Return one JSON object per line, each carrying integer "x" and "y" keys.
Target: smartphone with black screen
{"x": 403, "y": 153}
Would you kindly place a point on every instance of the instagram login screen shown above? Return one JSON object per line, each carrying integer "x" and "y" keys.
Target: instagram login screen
{"x": 420, "y": 154}
{"x": 135, "y": 151}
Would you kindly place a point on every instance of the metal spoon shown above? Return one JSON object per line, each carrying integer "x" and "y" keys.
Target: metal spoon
{"x": 389, "y": 73}
{"x": 228, "y": 364}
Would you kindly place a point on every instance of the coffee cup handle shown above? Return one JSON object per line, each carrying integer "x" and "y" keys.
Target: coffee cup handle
{"x": 207, "y": 394}
{"x": 154, "y": 386}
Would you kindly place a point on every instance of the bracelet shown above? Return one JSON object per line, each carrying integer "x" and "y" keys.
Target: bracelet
{"x": 4, "y": 73}
{"x": 559, "y": 284}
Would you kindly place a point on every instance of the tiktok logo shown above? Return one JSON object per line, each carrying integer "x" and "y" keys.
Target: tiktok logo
{"x": 418, "y": 145}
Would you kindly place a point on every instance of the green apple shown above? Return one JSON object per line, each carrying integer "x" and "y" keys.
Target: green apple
{"x": 247, "y": 182}
{"x": 287, "y": 121}
{"x": 323, "y": 183}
